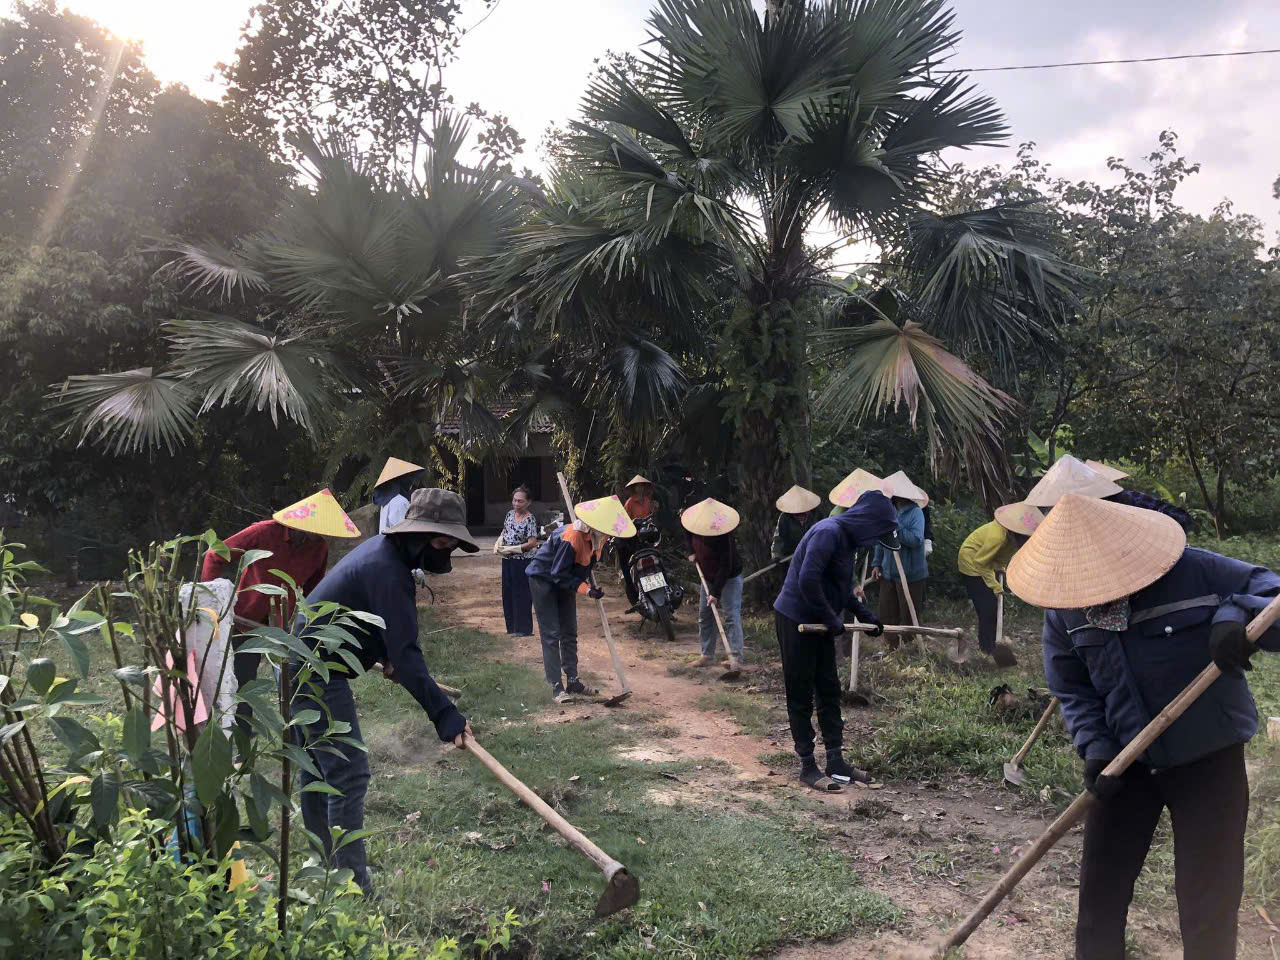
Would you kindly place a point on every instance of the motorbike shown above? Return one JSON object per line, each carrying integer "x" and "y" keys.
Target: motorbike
{"x": 658, "y": 599}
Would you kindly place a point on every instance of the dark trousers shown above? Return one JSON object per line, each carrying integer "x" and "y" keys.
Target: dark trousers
{"x": 557, "y": 610}
{"x": 1209, "y": 802}
{"x": 809, "y": 670}
{"x": 894, "y": 608}
{"x": 347, "y": 771}
{"x": 626, "y": 550}
{"x": 517, "y": 601}
{"x": 984, "y": 605}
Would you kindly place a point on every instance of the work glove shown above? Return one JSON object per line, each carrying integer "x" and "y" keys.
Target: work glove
{"x": 595, "y": 593}
{"x": 1102, "y": 787}
{"x": 877, "y": 624}
{"x": 1230, "y": 647}
{"x": 928, "y": 547}
{"x": 419, "y": 578}
{"x": 835, "y": 630}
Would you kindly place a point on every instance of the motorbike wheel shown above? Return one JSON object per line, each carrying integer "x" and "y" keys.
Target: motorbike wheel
{"x": 664, "y": 620}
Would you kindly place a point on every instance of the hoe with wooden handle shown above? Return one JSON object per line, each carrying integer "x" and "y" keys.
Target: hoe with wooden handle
{"x": 903, "y": 628}
{"x": 735, "y": 668}
{"x": 1013, "y": 774}
{"x": 604, "y": 617}
{"x": 621, "y": 889}
{"x": 1082, "y": 804}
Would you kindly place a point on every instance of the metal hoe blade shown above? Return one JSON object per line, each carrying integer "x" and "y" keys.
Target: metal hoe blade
{"x": 1013, "y": 775}
{"x": 614, "y": 701}
{"x": 621, "y": 891}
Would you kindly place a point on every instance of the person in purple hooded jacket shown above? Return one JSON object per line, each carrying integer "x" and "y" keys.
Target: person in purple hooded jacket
{"x": 818, "y": 589}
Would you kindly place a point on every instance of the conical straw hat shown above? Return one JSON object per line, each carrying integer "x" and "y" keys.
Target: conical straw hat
{"x": 1020, "y": 518}
{"x": 606, "y": 516}
{"x": 1111, "y": 473}
{"x": 639, "y": 479}
{"x": 395, "y": 467}
{"x": 318, "y": 513}
{"x": 1091, "y": 551}
{"x": 899, "y": 485}
{"x": 710, "y": 518}
{"x": 1069, "y": 475}
{"x": 847, "y": 491}
{"x": 797, "y": 500}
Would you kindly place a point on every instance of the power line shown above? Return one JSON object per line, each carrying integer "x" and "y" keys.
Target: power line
{"x": 1099, "y": 63}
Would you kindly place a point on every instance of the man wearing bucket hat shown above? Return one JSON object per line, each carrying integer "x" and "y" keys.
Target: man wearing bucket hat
{"x": 795, "y": 510}
{"x": 986, "y": 552}
{"x": 818, "y": 589}
{"x": 639, "y": 506}
{"x": 1132, "y": 616}
{"x": 558, "y": 572}
{"x": 376, "y": 578}
{"x": 714, "y": 548}
{"x": 391, "y": 492}
{"x": 296, "y": 538}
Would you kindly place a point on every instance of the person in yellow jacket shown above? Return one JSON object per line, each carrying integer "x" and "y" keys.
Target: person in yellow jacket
{"x": 986, "y": 552}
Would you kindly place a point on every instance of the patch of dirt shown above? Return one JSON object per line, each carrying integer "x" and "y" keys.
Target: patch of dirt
{"x": 933, "y": 848}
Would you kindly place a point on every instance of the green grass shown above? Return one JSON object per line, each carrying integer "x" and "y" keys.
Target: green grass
{"x": 750, "y": 712}
{"x": 456, "y": 847}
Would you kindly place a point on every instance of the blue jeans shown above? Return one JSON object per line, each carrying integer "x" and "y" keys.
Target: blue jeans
{"x": 557, "y": 610}
{"x": 346, "y": 771}
{"x": 730, "y": 604}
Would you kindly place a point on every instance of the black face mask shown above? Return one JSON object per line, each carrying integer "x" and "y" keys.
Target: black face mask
{"x": 419, "y": 554}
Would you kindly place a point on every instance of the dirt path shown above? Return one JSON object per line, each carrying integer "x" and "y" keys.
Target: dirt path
{"x": 932, "y": 847}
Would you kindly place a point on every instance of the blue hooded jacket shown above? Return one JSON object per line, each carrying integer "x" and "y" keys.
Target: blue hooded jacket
{"x": 1113, "y": 684}
{"x": 819, "y": 584}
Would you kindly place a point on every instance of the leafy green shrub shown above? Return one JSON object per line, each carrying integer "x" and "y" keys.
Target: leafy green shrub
{"x": 128, "y": 900}
{"x": 952, "y": 522}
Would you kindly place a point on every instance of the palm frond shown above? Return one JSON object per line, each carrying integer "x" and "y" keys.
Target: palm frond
{"x": 213, "y": 268}
{"x": 129, "y": 411}
{"x": 234, "y": 362}
{"x": 646, "y": 381}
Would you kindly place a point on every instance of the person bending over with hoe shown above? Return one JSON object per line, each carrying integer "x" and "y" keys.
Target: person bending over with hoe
{"x": 795, "y": 513}
{"x": 818, "y": 588}
{"x": 1133, "y": 616}
{"x": 558, "y": 572}
{"x": 296, "y": 538}
{"x": 985, "y": 553}
{"x": 714, "y": 548}
{"x": 376, "y": 578}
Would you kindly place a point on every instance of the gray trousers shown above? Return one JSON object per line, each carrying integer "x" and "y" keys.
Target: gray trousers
{"x": 557, "y": 612}
{"x": 346, "y": 771}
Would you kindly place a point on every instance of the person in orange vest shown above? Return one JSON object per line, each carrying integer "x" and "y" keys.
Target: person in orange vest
{"x": 640, "y": 505}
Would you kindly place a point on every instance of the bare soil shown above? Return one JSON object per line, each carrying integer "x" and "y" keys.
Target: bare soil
{"x": 934, "y": 848}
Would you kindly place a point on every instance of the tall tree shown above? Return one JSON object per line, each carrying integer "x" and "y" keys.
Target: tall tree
{"x": 733, "y": 136}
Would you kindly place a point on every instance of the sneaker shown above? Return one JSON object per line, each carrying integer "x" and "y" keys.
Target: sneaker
{"x": 562, "y": 695}
{"x": 578, "y": 688}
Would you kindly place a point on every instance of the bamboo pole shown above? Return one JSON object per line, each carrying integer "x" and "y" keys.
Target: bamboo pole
{"x": 1082, "y": 804}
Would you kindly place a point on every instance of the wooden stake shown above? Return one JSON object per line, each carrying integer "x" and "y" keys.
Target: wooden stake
{"x": 1081, "y": 805}
{"x": 604, "y": 617}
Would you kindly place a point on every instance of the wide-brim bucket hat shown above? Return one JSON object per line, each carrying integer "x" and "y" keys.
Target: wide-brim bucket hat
{"x": 710, "y": 518}
{"x": 1070, "y": 475}
{"x": 797, "y": 500}
{"x": 847, "y": 491}
{"x": 318, "y": 513}
{"x": 437, "y": 511}
{"x": 900, "y": 485}
{"x": 1111, "y": 473}
{"x": 395, "y": 467}
{"x": 1019, "y": 517}
{"x": 638, "y": 478}
{"x": 606, "y": 515}
{"x": 1090, "y": 551}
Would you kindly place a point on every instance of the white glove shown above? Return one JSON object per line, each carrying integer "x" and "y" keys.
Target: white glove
{"x": 419, "y": 578}
{"x": 928, "y": 547}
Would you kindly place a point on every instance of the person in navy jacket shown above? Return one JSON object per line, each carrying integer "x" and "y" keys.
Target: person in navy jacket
{"x": 818, "y": 589}
{"x": 1135, "y": 616}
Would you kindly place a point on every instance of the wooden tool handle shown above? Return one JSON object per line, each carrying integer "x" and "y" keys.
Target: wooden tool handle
{"x": 1035, "y": 733}
{"x": 604, "y": 617}
{"x": 715, "y": 612}
{"x": 906, "y": 590}
{"x": 606, "y": 863}
{"x": 1000, "y": 611}
{"x": 894, "y": 628}
{"x": 1080, "y": 806}
{"x": 777, "y": 563}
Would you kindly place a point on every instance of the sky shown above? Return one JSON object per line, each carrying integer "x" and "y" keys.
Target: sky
{"x": 529, "y": 59}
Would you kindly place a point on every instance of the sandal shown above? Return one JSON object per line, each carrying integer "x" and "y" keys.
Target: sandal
{"x": 814, "y": 778}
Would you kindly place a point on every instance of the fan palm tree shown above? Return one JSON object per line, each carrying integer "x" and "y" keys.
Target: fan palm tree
{"x": 724, "y": 144}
